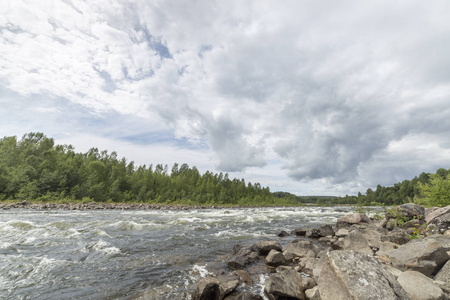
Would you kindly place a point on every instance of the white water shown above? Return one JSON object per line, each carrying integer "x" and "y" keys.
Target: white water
{"x": 131, "y": 254}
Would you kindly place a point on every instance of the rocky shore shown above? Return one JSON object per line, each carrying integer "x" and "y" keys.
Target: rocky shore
{"x": 404, "y": 256}
{"x": 101, "y": 206}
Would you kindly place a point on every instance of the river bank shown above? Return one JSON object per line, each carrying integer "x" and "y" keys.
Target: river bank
{"x": 104, "y": 206}
{"x": 404, "y": 256}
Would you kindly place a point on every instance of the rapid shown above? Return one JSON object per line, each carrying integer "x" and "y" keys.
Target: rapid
{"x": 131, "y": 254}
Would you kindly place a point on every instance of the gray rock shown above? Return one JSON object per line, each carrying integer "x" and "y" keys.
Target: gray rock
{"x": 313, "y": 294}
{"x": 393, "y": 271}
{"x": 207, "y": 289}
{"x": 325, "y": 230}
{"x": 264, "y": 247}
{"x": 396, "y": 236}
{"x": 424, "y": 256}
{"x": 227, "y": 284}
{"x": 283, "y": 233}
{"x": 391, "y": 224}
{"x": 386, "y": 248}
{"x": 419, "y": 286}
{"x": 350, "y": 219}
{"x": 353, "y": 275}
{"x": 308, "y": 283}
{"x": 300, "y": 248}
{"x": 444, "y": 286}
{"x": 373, "y": 237}
{"x": 299, "y": 231}
{"x": 444, "y": 274}
{"x": 309, "y": 264}
{"x": 313, "y": 233}
{"x": 243, "y": 256}
{"x": 343, "y": 232}
{"x": 408, "y": 210}
{"x": 284, "y": 285}
{"x": 443, "y": 240}
{"x": 356, "y": 241}
{"x": 430, "y": 217}
{"x": 275, "y": 258}
{"x": 243, "y": 296}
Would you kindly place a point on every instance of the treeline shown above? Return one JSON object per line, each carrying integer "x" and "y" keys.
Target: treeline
{"x": 34, "y": 168}
{"x": 429, "y": 189}
{"x": 304, "y": 199}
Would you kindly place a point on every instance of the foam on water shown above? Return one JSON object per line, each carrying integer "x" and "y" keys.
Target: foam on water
{"x": 115, "y": 254}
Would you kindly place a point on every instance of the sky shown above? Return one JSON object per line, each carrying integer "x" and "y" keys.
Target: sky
{"x": 308, "y": 97}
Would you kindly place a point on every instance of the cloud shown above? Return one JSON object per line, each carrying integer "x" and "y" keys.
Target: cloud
{"x": 324, "y": 94}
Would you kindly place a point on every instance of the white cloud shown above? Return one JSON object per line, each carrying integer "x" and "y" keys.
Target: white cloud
{"x": 328, "y": 92}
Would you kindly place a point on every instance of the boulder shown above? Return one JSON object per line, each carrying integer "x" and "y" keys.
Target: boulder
{"x": 353, "y": 275}
{"x": 312, "y": 233}
{"x": 413, "y": 224}
{"x": 424, "y": 255}
{"x": 313, "y": 294}
{"x": 441, "y": 223}
{"x": 373, "y": 238}
{"x": 243, "y": 256}
{"x": 419, "y": 286}
{"x": 308, "y": 265}
{"x": 436, "y": 212}
{"x": 325, "y": 230}
{"x": 386, "y": 248}
{"x": 393, "y": 271}
{"x": 444, "y": 274}
{"x": 243, "y": 296}
{"x": 207, "y": 289}
{"x": 244, "y": 276}
{"x": 285, "y": 285}
{"x": 300, "y": 248}
{"x": 264, "y": 247}
{"x": 227, "y": 283}
{"x": 343, "y": 232}
{"x": 350, "y": 219}
{"x": 299, "y": 231}
{"x": 275, "y": 258}
{"x": 443, "y": 240}
{"x": 356, "y": 241}
{"x": 283, "y": 233}
{"x": 396, "y": 236}
{"x": 409, "y": 211}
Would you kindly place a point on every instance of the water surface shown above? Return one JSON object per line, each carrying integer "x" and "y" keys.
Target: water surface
{"x": 131, "y": 254}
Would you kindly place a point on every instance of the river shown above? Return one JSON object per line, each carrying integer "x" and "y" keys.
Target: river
{"x": 139, "y": 254}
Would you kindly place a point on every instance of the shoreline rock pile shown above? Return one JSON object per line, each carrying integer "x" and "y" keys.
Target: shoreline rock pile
{"x": 100, "y": 206}
{"x": 404, "y": 256}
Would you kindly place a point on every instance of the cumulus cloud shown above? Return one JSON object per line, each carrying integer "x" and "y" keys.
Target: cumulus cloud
{"x": 330, "y": 95}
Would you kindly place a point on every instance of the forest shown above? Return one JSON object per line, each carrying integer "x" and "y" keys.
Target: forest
{"x": 35, "y": 169}
{"x": 428, "y": 189}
